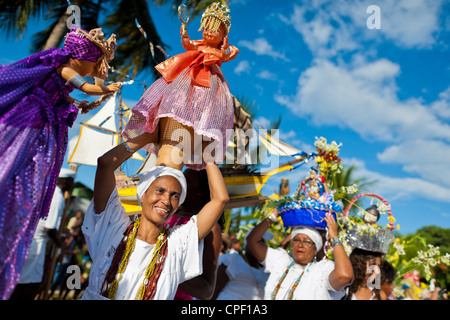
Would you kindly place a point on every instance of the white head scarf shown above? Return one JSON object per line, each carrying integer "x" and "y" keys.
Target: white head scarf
{"x": 157, "y": 172}
{"x": 312, "y": 233}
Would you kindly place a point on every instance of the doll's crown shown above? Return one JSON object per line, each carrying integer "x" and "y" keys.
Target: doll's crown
{"x": 97, "y": 37}
{"x": 215, "y": 15}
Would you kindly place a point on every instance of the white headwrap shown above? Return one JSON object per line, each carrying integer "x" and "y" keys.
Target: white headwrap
{"x": 312, "y": 233}
{"x": 157, "y": 172}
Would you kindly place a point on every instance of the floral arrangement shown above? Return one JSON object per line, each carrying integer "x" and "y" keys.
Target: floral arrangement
{"x": 327, "y": 157}
{"x": 424, "y": 261}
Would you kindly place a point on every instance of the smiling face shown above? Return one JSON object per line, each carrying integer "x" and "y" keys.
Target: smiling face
{"x": 303, "y": 249}
{"x": 161, "y": 200}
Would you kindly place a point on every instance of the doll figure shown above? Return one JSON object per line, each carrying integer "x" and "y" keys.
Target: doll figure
{"x": 313, "y": 185}
{"x": 191, "y": 102}
{"x": 315, "y": 193}
{"x": 371, "y": 215}
{"x": 35, "y": 114}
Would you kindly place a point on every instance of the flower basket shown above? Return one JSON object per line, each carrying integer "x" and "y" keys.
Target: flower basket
{"x": 303, "y": 213}
{"x": 369, "y": 237}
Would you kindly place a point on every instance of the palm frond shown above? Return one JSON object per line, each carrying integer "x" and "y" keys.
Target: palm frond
{"x": 40, "y": 38}
{"x": 134, "y": 52}
{"x": 195, "y": 7}
{"x": 14, "y": 14}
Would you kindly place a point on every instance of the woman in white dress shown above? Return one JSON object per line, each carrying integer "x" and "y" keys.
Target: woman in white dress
{"x": 299, "y": 276}
{"x": 143, "y": 259}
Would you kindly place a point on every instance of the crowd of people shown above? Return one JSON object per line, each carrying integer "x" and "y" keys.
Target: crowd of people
{"x": 214, "y": 265}
{"x": 175, "y": 248}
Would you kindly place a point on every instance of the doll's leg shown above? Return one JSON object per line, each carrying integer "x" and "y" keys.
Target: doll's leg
{"x": 176, "y": 143}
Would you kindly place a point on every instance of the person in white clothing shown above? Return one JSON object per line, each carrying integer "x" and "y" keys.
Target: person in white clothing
{"x": 142, "y": 259}
{"x": 299, "y": 276}
{"x": 241, "y": 277}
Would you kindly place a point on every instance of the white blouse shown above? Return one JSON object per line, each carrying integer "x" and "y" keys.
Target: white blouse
{"x": 314, "y": 284}
{"x": 103, "y": 233}
{"x": 245, "y": 282}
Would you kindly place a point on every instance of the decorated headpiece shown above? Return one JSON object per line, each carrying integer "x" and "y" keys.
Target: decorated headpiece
{"x": 215, "y": 15}
{"x": 367, "y": 236}
{"x": 91, "y": 46}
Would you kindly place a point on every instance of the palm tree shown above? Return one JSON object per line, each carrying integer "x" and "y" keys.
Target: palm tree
{"x": 345, "y": 179}
{"x": 14, "y": 14}
{"x": 134, "y": 53}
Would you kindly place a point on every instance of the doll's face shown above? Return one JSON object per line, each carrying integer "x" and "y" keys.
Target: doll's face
{"x": 83, "y": 67}
{"x": 214, "y": 38}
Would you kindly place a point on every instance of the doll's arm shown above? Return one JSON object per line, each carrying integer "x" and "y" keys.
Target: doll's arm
{"x": 229, "y": 52}
{"x": 74, "y": 79}
{"x": 225, "y": 53}
{"x": 79, "y": 104}
{"x": 186, "y": 42}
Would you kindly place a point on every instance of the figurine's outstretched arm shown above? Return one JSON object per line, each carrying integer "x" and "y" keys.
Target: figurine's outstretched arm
{"x": 186, "y": 42}
{"x": 76, "y": 80}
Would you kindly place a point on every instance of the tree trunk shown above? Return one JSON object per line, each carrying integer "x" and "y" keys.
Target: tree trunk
{"x": 58, "y": 32}
{"x": 60, "y": 29}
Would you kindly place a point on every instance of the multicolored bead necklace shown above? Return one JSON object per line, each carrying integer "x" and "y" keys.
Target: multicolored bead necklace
{"x": 151, "y": 277}
{"x": 280, "y": 281}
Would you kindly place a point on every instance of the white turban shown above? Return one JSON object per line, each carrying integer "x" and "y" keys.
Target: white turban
{"x": 157, "y": 172}
{"x": 312, "y": 233}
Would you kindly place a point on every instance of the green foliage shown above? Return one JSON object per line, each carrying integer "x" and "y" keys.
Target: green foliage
{"x": 346, "y": 178}
{"x": 134, "y": 53}
{"x": 14, "y": 14}
{"x": 427, "y": 250}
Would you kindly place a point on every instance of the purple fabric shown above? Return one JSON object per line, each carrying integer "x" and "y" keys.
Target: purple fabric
{"x": 18, "y": 78}
{"x": 34, "y": 121}
{"x": 80, "y": 47}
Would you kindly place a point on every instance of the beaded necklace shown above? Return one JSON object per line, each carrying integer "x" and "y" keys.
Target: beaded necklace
{"x": 280, "y": 281}
{"x": 155, "y": 264}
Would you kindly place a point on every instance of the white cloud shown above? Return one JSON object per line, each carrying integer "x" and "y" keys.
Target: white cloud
{"x": 243, "y": 66}
{"x": 441, "y": 107}
{"x": 426, "y": 158}
{"x": 267, "y": 75}
{"x": 394, "y": 188}
{"x": 363, "y": 98}
{"x": 263, "y": 122}
{"x": 349, "y": 97}
{"x": 331, "y": 27}
{"x": 411, "y": 23}
{"x": 262, "y": 47}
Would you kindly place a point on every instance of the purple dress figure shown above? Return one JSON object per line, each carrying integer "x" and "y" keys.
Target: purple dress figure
{"x": 35, "y": 114}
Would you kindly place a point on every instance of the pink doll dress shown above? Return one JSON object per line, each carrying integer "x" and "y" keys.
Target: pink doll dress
{"x": 192, "y": 91}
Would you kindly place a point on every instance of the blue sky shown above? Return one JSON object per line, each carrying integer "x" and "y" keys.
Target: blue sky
{"x": 383, "y": 93}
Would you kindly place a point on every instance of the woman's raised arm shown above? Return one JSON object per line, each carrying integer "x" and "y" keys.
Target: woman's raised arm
{"x": 105, "y": 180}
{"x": 211, "y": 212}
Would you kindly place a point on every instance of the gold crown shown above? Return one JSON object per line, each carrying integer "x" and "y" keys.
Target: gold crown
{"x": 97, "y": 37}
{"x": 213, "y": 16}
{"x": 108, "y": 47}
